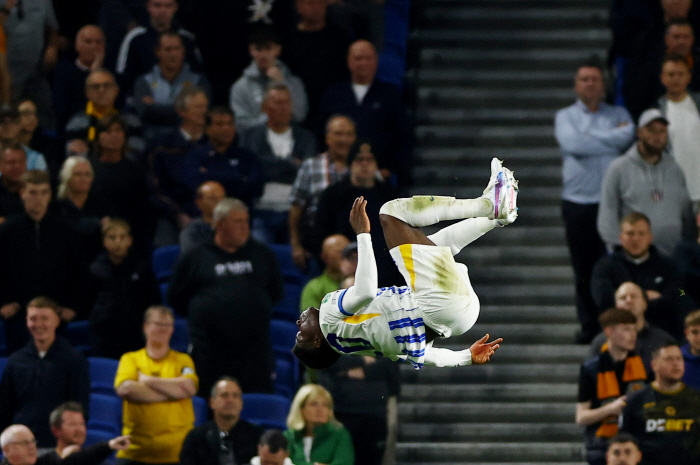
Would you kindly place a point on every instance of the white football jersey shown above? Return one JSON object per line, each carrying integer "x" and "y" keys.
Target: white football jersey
{"x": 390, "y": 326}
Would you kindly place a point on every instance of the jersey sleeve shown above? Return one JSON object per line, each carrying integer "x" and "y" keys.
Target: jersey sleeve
{"x": 365, "y": 289}
{"x": 586, "y": 386}
{"x": 127, "y": 370}
{"x": 187, "y": 369}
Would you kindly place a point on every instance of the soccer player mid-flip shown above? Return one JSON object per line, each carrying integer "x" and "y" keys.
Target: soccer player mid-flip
{"x": 400, "y": 323}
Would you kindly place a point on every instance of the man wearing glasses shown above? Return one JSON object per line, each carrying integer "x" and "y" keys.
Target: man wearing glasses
{"x": 19, "y": 447}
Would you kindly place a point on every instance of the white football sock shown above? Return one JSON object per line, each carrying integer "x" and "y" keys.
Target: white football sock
{"x": 424, "y": 210}
{"x": 459, "y": 235}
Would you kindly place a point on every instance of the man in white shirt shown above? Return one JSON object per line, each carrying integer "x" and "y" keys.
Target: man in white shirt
{"x": 400, "y": 323}
{"x": 681, "y": 111}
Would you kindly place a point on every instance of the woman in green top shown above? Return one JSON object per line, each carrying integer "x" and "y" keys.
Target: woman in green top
{"x": 314, "y": 435}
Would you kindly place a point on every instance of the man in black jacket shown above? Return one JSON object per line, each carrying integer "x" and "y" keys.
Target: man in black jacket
{"x": 638, "y": 261}
{"x": 45, "y": 373}
{"x": 227, "y": 291}
{"x": 225, "y": 437}
{"x": 19, "y": 447}
{"x": 39, "y": 255}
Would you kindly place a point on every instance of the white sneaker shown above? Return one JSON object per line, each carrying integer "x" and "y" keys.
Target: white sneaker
{"x": 502, "y": 191}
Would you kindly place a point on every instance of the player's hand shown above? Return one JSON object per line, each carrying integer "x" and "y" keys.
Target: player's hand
{"x": 653, "y": 295}
{"x": 617, "y": 405}
{"x": 358, "y": 216}
{"x": 120, "y": 443}
{"x": 8, "y": 311}
{"x": 482, "y": 350}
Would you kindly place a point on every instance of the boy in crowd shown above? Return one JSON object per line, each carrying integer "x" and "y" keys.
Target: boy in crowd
{"x": 691, "y": 351}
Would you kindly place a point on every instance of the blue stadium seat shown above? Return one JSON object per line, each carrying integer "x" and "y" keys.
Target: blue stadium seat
{"x": 3, "y": 339}
{"x": 201, "y": 409}
{"x": 266, "y": 410}
{"x": 78, "y": 334}
{"x": 288, "y": 308}
{"x": 181, "y": 339}
{"x": 164, "y": 259}
{"x": 3, "y": 362}
{"x": 283, "y": 335}
{"x": 286, "y": 376}
{"x": 290, "y": 272}
{"x": 105, "y": 414}
{"x": 102, "y": 374}
{"x": 164, "y": 293}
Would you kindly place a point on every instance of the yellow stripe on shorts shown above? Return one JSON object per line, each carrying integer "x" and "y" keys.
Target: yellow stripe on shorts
{"x": 407, "y": 255}
{"x": 357, "y": 319}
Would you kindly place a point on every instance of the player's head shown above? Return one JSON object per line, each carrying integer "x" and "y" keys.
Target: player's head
{"x": 311, "y": 347}
{"x": 623, "y": 450}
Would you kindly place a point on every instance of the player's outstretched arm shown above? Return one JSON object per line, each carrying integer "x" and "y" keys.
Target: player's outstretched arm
{"x": 479, "y": 353}
{"x": 365, "y": 288}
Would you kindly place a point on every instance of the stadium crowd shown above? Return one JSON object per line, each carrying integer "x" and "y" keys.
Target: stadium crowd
{"x": 162, "y": 163}
{"x": 631, "y": 209}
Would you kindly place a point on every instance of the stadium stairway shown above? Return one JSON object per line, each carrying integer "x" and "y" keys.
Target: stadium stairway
{"x": 490, "y": 75}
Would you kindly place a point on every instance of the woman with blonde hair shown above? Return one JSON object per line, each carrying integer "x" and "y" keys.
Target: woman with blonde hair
{"x": 315, "y": 436}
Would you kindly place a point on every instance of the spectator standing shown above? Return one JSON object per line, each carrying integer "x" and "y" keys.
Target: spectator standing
{"x": 45, "y": 373}
{"x": 137, "y": 54}
{"x": 157, "y": 385}
{"x": 314, "y": 176}
{"x": 227, "y": 438}
{"x": 638, "y": 261}
{"x": 591, "y": 134}
{"x": 281, "y": 147}
{"x": 248, "y": 92}
{"x": 33, "y": 245}
{"x": 648, "y": 181}
{"x": 168, "y": 170}
{"x": 19, "y": 446}
{"x": 69, "y": 78}
{"x": 664, "y": 415}
{"x": 13, "y": 164}
{"x": 123, "y": 287}
{"x": 691, "y": 351}
{"x": 603, "y": 390}
{"x": 315, "y": 50}
{"x": 102, "y": 91}
{"x": 32, "y": 49}
{"x": 155, "y": 92}
{"x": 35, "y": 138}
{"x": 336, "y": 202}
{"x": 367, "y": 384}
{"x": 311, "y": 420}
{"x": 332, "y": 255}
{"x": 227, "y": 291}
{"x": 629, "y": 296}
{"x": 222, "y": 160}
{"x": 76, "y": 177}
{"x": 376, "y": 107}
{"x": 681, "y": 110}
{"x": 200, "y": 230}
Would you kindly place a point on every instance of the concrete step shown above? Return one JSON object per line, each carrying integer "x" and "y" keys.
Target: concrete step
{"x": 475, "y": 97}
{"x": 536, "y": 392}
{"x": 484, "y": 18}
{"x": 489, "y": 432}
{"x": 547, "y": 175}
{"x": 513, "y": 255}
{"x": 477, "y": 116}
{"x": 544, "y": 196}
{"x": 527, "y": 314}
{"x": 516, "y": 332}
{"x": 487, "y": 59}
{"x": 528, "y": 353}
{"x": 544, "y": 294}
{"x": 501, "y": 412}
{"x": 514, "y": 39}
{"x": 495, "y": 372}
{"x": 511, "y": 4}
{"x": 501, "y": 452}
{"x": 485, "y": 135}
{"x": 530, "y": 275}
{"x": 491, "y": 463}
{"x": 479, "y": 157}
{"x": 542, "y": 236}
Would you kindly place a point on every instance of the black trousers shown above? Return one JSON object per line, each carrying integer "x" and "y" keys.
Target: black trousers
{"x": 368, "y": 436}
{"x": 585, "y": 247}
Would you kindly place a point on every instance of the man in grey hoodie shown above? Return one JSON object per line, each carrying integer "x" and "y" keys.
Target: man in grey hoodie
{"x": 648, "y": 181}
{"x": 247, "y": 93}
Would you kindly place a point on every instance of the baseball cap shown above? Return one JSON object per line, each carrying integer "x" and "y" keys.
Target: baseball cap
{"x": 652, "y": 114}
{"x": 349, "y": 249}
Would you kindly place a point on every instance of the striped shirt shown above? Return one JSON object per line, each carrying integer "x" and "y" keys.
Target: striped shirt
{"x": 390, "y": 326}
